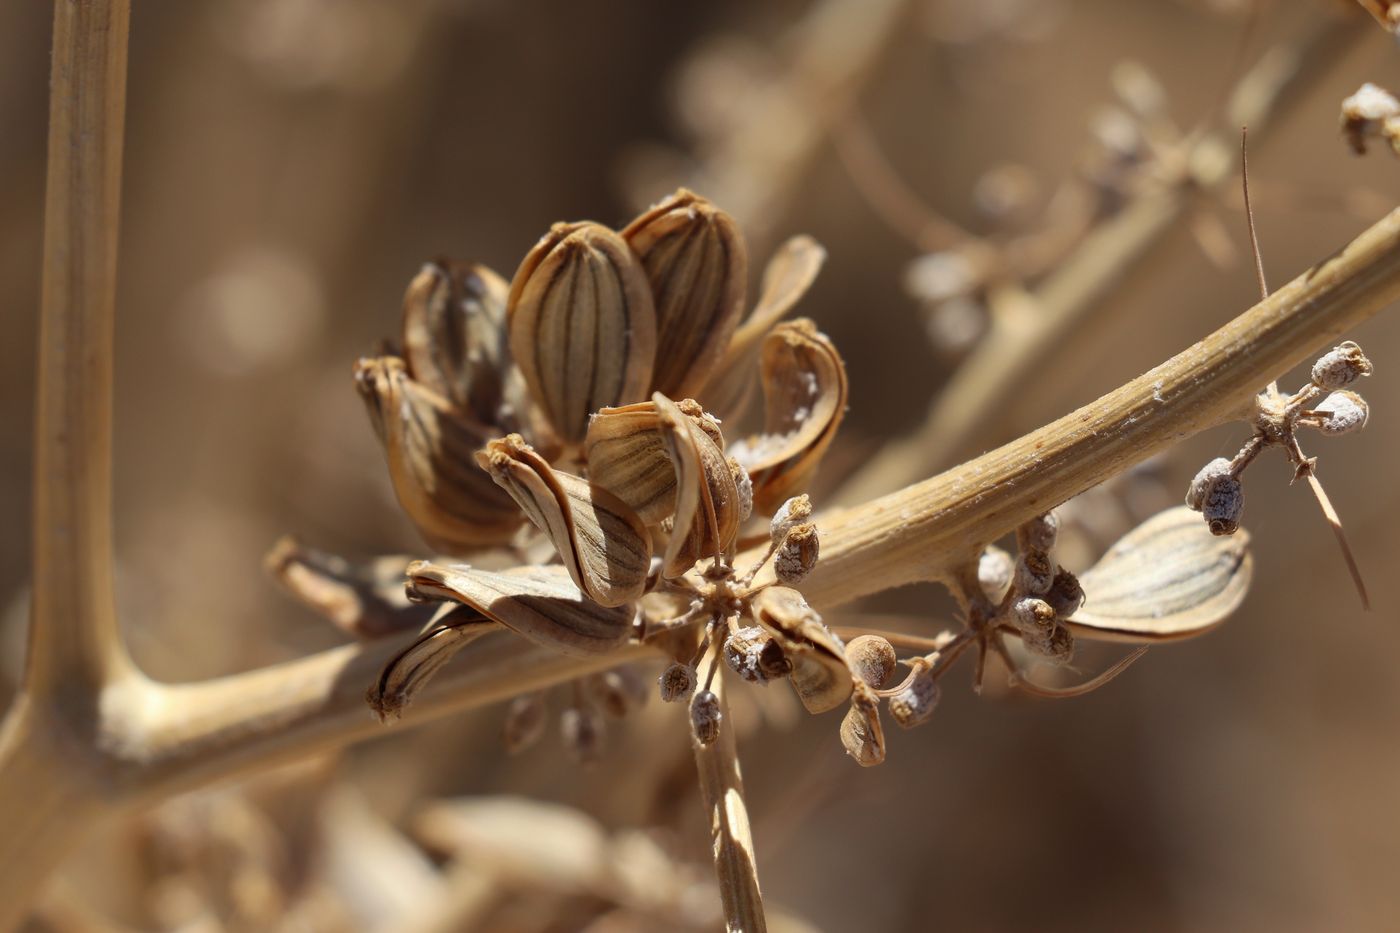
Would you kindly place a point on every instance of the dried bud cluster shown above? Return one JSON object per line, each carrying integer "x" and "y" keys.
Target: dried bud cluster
{"x": 1043, "y": 595}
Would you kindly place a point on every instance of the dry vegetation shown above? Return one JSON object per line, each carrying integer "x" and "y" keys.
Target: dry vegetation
{"x": 996, "y": 262}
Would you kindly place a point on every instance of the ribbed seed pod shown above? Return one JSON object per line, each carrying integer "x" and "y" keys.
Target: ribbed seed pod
{"x": 676, "y": 682}
{"x": 697, "y": 267}
{"x": 1223, "y": 505}
{"x": 1340, "y": 366}
{"x": 861, "y": 732}
{"x": 798, "y": 553}
{"x": 1342, "y": 412}
{"x": 916, "y": 702}
{"x": 581, "y": 323}
{"x": 1196, "y": 492}
{"x": 707, "y": 498}
{"x": 705, "y": 717}
{"x": 872, "y": 659}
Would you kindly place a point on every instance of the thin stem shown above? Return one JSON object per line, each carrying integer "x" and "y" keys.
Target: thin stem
{"x": 73, "y": 642}
{"x": 722, "y": 790}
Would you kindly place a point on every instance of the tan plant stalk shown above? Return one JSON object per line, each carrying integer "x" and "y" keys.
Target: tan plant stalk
{"x": 722, "y": 792}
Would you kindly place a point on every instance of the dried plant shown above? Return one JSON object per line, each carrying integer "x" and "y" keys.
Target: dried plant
{"x": 565, "y": 432}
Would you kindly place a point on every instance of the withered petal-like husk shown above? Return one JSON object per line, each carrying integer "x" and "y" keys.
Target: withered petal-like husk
{"x": 1168, "y": 578}
{"x": 805, "y": 393}
{"x": 604, "y": 545}
{"x": 788, "y": 275}
{"x": 861, "y": 731}
{"x": 626, "y": 455}
{"x": 820, "y": 675}
{"x": 581, "y": 323}
{"x": 708, "y": 505}
{"x": 697, "y": 265}
{"x": 541, "y": 603}
{"x": 454, "y": 335}
{"x": 365, "y": 600}
{"x": 430, "y": 449}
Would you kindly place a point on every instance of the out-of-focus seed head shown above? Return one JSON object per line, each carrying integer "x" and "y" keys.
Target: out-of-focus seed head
{"x": 1340, "y": 367}
{"x": 995, "y": 568}
{"x": 872, "y": 659}
{"x": 1034, "y": 573}
{"x": 618, "y": 692}
{"x": 797, "y": 555}
{"x": 916, "y": 702}
{"x": 583, "y": 730}
{"x": 794, "y": 511}
{"x": 1342, "y": 412}
{"x": 861, "y": 732}
{"x": 1196, "y": 492}
{"x": 525, "y": 722}
{"x": 1039, "y": 533}
{"x": 1066, "y": 595}
{"x": 705, "y": 717}
{"x": 1223, "y": 505}
{"x": 676, "y": 682}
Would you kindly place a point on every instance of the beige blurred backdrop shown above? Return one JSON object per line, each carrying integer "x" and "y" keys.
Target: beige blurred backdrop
{"x": 289, "y": 163}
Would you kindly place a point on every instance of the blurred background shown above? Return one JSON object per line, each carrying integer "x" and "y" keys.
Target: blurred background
{"x": 289, "y": 165}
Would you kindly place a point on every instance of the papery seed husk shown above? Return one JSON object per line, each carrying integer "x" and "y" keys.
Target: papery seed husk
{"x": 541, "y": 603}
{"x": 872, "y": 659}
{"x": 454, "y": 335}
{"x": 707, "y": 499}
{"x": 429, "y": 449}
{"x": 1342, "y": 412}
{"x": 697, "y": 266}
{"x": 861, "y": 732}
{"x": 603, "y": 544}
{"x": 581, "y": 324}
{"x": 805, "y": 393}
{"x": 820, "y": 676}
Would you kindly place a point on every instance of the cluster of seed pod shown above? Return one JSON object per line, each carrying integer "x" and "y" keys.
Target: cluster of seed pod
{"x": 614, "y": 694}
{"x": 1217, "y": 491}
{"x": 1041, "y": 595}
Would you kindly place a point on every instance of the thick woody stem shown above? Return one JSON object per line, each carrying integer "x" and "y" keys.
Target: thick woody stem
{"x": 722, "y": 792}
{"x": 73, "y": 643}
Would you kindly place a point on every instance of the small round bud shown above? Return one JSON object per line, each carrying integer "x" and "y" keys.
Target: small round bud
{"x": 795, "y": 511}
{"x": 1053, "y": 647}
{"x": 1340, "y": 367}
{"x": 676, "y": 682}
{"x": 871, "y": 659}
{"x": 797, "y": 555}
{"x": 742, "y": 651}
{"x": 705, "y": 717}
{"x": 994, "y": 571}
{"x": 1033, "y": 616}
{"x": 1066, "y": 595}
{"x": 525, "y": 722}
{"x": 1223, "y": 505}
{"x": 1039, "y": 533}
{"x": 861, "y": 732}
{"x": 744, "y": 485}
{"x": 1342, "y": 412}
{"x": 1034, "y": 573}
{"x": 583, "y": 731}
{"x": 1196, "y": 493}
{"x": 915, "y": 703}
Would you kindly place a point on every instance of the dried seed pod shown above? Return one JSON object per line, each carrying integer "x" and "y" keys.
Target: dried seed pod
{"x": 676, "y": 682}
{"x": 583, "y": 731}
{"x": 995, "y": 568}
{"x": 429, "y": 448}
{"x": 1341, "y": 413}
{"x": 743, "y": 650}
{"x": 793, "y": 512}
{"x": 861, "y": 732}
{"x": 1034, "y": 573}
{"x": 454, "y": 335}
{"x": 916, "y": 702}
{"x": 707, "y": 499}
{"x": 617, "y": 692}
{"x": 1340, "y": 366}
{"x": 697, "y": 266}
{"x": 541, "y": 603}
{"x": 627, "y": 455}
{"x": 1053, "y": 647}
{"x": 804, "y": 391}
{"x": 1365, "y": 114}
{"x": 1039, "y": 533}
{"x": 788, "y": 275}
{"x": 773, "y": 661}
{"x": 872, "y": 659}
{"x": 525, "y": 722}
{"x": 1034, "y": 617}
{"x": 408, "y": 672}
{"x": 1066, "y": 595}
{"x": 1196, "y": 492}
{"x": 820, "y": 675}
{"x": 604, "y": 545}
{"x": 744, "y": 486}
{"x": 705, "y": 717}
{"x": 582, "y": 325}
{"x": 1223, "y": 505}
{"x": 798, "y": 554}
